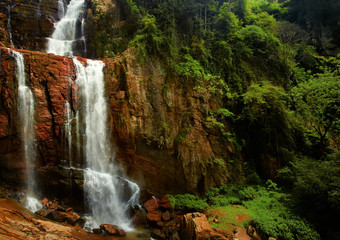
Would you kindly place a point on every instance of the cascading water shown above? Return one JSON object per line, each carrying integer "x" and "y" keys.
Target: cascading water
{"x": 9, "y": 26}
{"x": 108, "y": 194}
{"x": 39, "y": 9}
{"x": 27, "y": 129}
{"x": 104, "y": 188}
{"x": 61, "y": 9}
{"x": 68, "y": 131}
{"x": 83, "y": 34}
{"x": 64, "y": 36}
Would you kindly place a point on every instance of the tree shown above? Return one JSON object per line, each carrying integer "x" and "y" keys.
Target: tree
{"x": 317, "y": 104}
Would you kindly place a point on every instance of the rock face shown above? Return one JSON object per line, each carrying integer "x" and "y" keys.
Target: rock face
{"x": 158, "y": 124}
{"x": 144, "y": 126}
{"x": 53, "y": 211}
{"x": 160, "y": 130}
{"x": 30, "y": 21}
{"x": 17, "y": 223}
{"x": 28, "y": 24}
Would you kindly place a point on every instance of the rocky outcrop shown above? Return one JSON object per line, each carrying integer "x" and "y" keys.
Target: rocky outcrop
{"x": 112, "y": 230}
{"x": 158, "y": 126}
{"x": 18, "y": 223}
{"x": 195, "y": 226}
{"x": 160, "y": 129}
{"x": 30, "y": 22}
{"x": 54, "y": 211}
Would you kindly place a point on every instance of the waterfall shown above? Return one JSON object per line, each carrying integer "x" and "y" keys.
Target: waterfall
{"x": 9, "y": 26}
{"x": 27, "y": 129}
{"x": 39, "y": 9}
{"x": 68, "y": 131}
{"x": 83, "y": 38}
{"x": 109, "y": 195}
{"x": 64, "y": 36}
{"x": 61, "y": 9}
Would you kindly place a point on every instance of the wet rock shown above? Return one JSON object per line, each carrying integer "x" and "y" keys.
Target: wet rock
{"x": 97, "y": 231}
{"x": 43, "y": 212}
{"x": 45, "y": 202}
{"x": 70, "y": 218}
{"x": 139, "y": 219}
{"x": 151, "y": 204}
{"x": 18, "y": 223}
{"x": 149, "y": 159}
{"x": 112, "y": 230}
{"x": 154, "y": 216}
{"x": 166, "y": 216}
{"x": 157, "y": 234}
{"x": 165, "y": 202}
{"x": 175, "y": 236}
{"x": 143, "y": 235}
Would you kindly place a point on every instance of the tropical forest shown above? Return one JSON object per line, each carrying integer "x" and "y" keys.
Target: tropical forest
{"x": 170, "y": 119}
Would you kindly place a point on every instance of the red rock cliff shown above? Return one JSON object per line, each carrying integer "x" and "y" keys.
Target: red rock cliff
{"x": 157, "y": 125}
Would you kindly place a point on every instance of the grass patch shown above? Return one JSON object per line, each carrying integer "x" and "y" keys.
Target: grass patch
{"x": 228, "y": 217}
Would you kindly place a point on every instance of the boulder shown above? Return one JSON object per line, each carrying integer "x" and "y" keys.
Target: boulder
{"x": 112, "y": 230}
{"x": 43, "y": 212}
{"x": 154, "y": 216}
{"x": 251, "y": 231}
{"x": 152, "y": 204}
{"x": 45, "y": 202}
{"x": 70, "y": 218}
{"x": 97, "y": 231}
{"x": 195, "y": 226}
{"x": 157, "y": 234}
{"x": 166, "y": 216}
{"x": 139, "y": 218}
{"x": 18, "y": 223}
{"x": 241, "y": 234}
{"x": 165, "y": 202}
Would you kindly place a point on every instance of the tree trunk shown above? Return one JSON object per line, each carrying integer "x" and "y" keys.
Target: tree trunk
{"x": 205, "y": 17}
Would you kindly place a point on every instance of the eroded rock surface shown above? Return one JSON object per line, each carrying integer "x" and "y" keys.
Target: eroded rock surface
{"x": 195, "y": 226}
{"x": 18, "y": 223}
{"x": 158, "y": 127}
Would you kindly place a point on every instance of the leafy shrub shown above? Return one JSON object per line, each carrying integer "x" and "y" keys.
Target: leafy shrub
{"x": 187, "y": 202}
{"x": 268, "y": 207}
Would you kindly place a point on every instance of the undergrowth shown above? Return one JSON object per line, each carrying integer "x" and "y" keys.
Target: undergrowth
{"x": 265, "y": 207}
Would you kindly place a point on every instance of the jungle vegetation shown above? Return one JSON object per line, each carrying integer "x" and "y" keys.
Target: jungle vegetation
{"x": 281, "y": 97}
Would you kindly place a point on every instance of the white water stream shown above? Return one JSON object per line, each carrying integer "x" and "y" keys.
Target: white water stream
{"x": 108, "y": 194}
{"x": 68, "y": 132}
{"x": 64, "y": 36}
{"x": 104, "y": 187}
{"x": 27, "y": 129}
{"x": 61, "y": 9}
{"x": 9, "y": 26}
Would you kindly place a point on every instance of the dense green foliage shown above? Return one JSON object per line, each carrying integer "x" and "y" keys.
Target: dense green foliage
{"x": 266, "y": 208}
{"x": 280, "y": 98}
{"x": 187, "y": 202}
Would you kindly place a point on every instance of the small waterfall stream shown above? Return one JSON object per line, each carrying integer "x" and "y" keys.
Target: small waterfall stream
{"x": 9, "y": 26}
{"x": 68, "y": 132}
{"x": 64, "y": 36}
{"x": 104, "y": 186}
{"x": 27, "y": 129}
{"x": 61, "y": 9}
